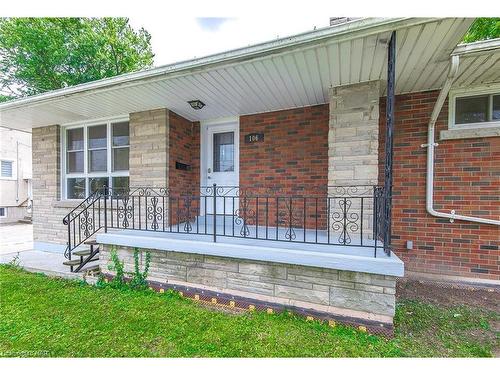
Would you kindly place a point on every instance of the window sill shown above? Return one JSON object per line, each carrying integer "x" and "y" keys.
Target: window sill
{"x": 491, "y": 131}
{"x": 67, "y": 203}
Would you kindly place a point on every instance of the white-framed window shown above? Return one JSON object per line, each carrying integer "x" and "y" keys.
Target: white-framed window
{"x": 94, "y": 155}
{"x": 474, "y": 108}
{"x": 7, "y": 169}
{"x": 3, "y": 211}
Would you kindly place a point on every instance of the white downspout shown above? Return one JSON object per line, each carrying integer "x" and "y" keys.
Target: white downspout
{"x": 430, "y": 153}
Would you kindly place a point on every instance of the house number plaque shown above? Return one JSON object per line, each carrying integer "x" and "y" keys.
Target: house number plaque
{"x": 254, "y": 137}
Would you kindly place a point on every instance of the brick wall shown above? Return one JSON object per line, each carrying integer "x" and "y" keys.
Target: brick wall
{"x": 292, "y": 158}
{"x": 184, "y": 140}
{"x": 184, "y": 143}
{"x": 467, "y": 179}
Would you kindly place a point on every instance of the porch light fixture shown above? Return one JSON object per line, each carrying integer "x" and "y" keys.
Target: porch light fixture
{"x": 196, "y": 104}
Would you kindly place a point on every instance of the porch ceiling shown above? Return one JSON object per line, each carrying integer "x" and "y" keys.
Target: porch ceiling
{"x": 286, "y": 73}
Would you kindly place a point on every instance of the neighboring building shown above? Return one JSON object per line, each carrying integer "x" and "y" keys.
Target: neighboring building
{"x": 293, "y": 133}
{"x": 15, "y": 177}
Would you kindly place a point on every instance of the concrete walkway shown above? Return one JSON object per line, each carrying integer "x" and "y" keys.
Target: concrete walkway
{"x": 15, "y": 237}
{"x": 16, "y": 244}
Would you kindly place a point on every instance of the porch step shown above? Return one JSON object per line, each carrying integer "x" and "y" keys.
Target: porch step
{"x": 72, "y": 262}
{"x": 91, "y": 242}
{"x": 82, "y": 253}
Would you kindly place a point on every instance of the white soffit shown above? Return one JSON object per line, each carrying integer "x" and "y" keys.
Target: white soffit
{"x": 287, "y": 73}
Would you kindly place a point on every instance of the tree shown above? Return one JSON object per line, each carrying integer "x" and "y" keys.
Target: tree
{"x": 483, "y": 28}
{"x": 42, "y": 54}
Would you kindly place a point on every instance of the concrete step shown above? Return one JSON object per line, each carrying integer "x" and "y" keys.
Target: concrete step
{"x": 90, "y": 242}
{"x": 72, "y": 262}
{"x": 81, "y": 253}
{"x": 25, "y": 221}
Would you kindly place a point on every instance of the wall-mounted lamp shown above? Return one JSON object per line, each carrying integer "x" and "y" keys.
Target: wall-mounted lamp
{"x": 196, "y": 104}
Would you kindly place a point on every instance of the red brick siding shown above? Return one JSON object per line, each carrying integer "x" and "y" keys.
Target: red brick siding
{"x": 467, "y": 179}
{"x": 293, "y": 158}
{"x": 184, "y": 141}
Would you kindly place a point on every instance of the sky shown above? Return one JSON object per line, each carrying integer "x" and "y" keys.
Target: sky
{"x": 183, "y": 37}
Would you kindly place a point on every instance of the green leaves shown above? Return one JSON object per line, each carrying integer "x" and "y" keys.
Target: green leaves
{"x": 483, "y": 28}
{"x": 42, "y": 54}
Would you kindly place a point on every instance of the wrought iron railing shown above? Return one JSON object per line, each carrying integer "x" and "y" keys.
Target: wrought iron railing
{"x": 333, "y": 215}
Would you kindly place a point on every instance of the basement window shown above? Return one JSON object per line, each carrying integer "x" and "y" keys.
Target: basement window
{"x": 95, "y": 156}
{"x": 3, "y": 212}
{"x": 473, "y": 113}
{"x": 476, "y": 109}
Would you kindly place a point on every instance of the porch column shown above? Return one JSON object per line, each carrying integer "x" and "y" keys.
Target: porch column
{"x": 353, "y": 134}
{"x": 353, "y": 158}
{"x": 149, "y": 142}
{"x": 391, "y": 83}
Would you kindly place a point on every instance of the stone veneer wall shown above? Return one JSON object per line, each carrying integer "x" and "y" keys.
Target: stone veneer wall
{"x": 149, "y": 143}
{"x": 47, "y": 215}
{"x": 353, "y": 135}
{"x": 353, "y": 294}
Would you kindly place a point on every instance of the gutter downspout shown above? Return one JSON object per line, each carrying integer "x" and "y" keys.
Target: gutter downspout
{"x": 430, "y": 153}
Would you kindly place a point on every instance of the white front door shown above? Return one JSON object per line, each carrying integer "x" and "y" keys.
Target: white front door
{"x": 220, "y": 160}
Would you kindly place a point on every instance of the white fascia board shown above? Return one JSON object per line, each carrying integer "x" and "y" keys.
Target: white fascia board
{"x": 482, "y": 46}
{"x": 347, "y": 31}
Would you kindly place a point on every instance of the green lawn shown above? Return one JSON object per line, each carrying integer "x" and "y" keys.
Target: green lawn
{"x": 42, "y": 316}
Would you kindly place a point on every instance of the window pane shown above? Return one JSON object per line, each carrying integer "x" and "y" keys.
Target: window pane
{"x": 76, "y": 188}
{"x": 496, "y": 108}
{"x": 472, "y": 109}
{"x": 120, "y": 159}
{"x": 96, "y": 183}
{"x": 224, "y": 152}
{"x": 74, "y": 139}
{"x": 120, "y": 134}
{"x": 97, "y": 136}
{"x": 75, "y": 162}
{"x": 6, "y": 168}
{"x": 98, "y": 161}
{"x": 120, "y": 185}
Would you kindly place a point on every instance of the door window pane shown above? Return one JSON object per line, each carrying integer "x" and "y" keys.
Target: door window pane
{"x": 224, "y": 152}
{"x": 96, "y": 183}
{"x": 75, "y": 162}
{"x": 121, "y": 134}
{"x": 471, "y": 110}
{"x": 120, "y": 159}
{"x": 120, "y": 185}
{"x": 76, "y": 188}
{"x": 75, "y": 139}
{"x": 97, "y": 136}
{"x": 496, "y": 108}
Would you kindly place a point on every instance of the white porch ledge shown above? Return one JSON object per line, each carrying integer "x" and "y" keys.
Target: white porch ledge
{"x": 348, "y": 258}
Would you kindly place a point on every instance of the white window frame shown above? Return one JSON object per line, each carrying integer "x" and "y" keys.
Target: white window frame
{"x": 469, "y": 92}
{"x": 109, "y": 147}
{"x": 4, "y": 212}
{"x": 14, "y": 170}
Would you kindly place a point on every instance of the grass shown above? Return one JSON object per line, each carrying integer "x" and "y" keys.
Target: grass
{"x": 42, "y": 316}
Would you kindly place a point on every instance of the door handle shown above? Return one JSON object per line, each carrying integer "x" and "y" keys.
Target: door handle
{"x": 209, "y": 170}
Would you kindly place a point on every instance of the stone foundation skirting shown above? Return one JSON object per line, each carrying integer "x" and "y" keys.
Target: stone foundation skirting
{"x": 353, "y": 295}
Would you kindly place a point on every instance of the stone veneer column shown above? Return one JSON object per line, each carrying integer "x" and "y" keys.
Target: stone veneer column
{"x": 353, "y": 134}
{"x": 47, "y": 218}
{"x": 149, "y": 132}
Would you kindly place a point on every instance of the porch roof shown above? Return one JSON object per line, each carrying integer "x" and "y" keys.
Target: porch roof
{"x": 285, "y": 73}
